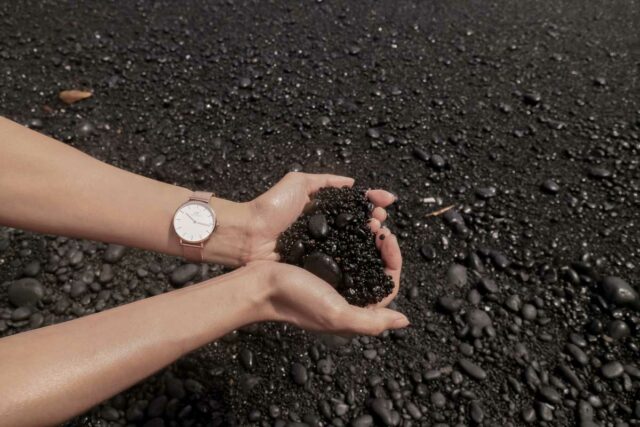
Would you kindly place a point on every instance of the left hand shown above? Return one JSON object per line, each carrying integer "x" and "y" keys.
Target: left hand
{"x": 275, "y": 210}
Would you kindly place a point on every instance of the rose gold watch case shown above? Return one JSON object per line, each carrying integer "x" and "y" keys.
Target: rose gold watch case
{"x": 213, "y": 216}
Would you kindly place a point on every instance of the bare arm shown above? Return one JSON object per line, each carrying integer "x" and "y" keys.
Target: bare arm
{"x": 49, "y": 374}
{"x": 50, "y": 187}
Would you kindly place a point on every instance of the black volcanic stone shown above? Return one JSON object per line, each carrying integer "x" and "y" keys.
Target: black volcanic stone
{"x": 617, "y": 291}
{"x": 334, "y": 242}
{"x": 25, "y": 291}
{"x": 318, "y": 227}
{"x": 325, "y": 267}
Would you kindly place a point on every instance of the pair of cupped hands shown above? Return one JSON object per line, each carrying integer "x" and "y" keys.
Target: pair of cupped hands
{"x": 295, "y": 295}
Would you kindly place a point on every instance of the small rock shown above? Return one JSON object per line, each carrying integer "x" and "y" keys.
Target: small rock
{"x": 457, "y": 275}
{"x": 27, "y": 291}
{"x": 550, "y": 187}
{"x": 183, "y": 274}
{"x": 325, "y": 267}
{"x": 114, "y": 253}
{"x": 299, "y": 374}
{"x": 612, "y": 370}
{"x": 318, "y": 226}
{"x": 619, "y": 292}
{"x": 473, "y": 370}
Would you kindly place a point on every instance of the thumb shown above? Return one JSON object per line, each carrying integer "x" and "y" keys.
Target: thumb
{"x": 372, "y": 321}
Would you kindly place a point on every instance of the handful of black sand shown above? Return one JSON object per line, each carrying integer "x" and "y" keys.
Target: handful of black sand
{"x": 333, "y": 241}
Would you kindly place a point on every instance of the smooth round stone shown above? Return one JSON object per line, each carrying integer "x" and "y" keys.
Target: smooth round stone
{"x": 318, "y": 226}
{"x": 438, "y": 162}
{"x": 21, "y": 313}
{"x": 343, "y": 219}
{"x": 450, "y": 304}
{"x": 78, "y": 288}
{"x": 114, "y": 253}
{"x": 325, "y": 267}
{"x": 471, "y": 369}
{"x": 27, "y": 291}
{"x": 476, "y": 412}
{"x": 618, "y": 329}
{"x": 486, "y": 193}
{"x": 457, "y": 275}
{"x": 617, "y": 291}
{"x": 299, "y": 374}
{"x": 550, "y": 187}
{"x": 110, "y": 414}
{"x": 478, "y": 319}
{"x": 528, "y": 415}
{"x": 420, "y": 154}
{"x": 296, "y": 252}
{"x": 550, "y": 394}
{"x": 612, "y": 370}
{"x": 428, "y": 252}
{"x": 32, "y": 269}
{"x": 382, "y": 408}
{"x": 529, "y": 312}
{"x": 514, "y": 303}
{"x": 183, "y": 274}
{"x": 577, "y": 354}
{"x": 545, "y": 411}
{"x": 363, "y": 421}
{"x": 247, "y": 358}
{"x": 599, "y": 172}
{"x": 585, "y": 411}
{"x": 487, "y": 285}
{"x": 532, "y": 98}
{"x": 438, "y": 399}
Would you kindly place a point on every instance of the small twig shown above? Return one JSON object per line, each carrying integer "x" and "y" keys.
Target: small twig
{"x": 439, "y": 211}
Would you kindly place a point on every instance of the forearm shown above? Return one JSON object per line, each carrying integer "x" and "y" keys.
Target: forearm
{"x": 49, "y": 187}
{"x": 49, "y": 375}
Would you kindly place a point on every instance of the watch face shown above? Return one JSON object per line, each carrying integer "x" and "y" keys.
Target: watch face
{"x": 194, "y": 222}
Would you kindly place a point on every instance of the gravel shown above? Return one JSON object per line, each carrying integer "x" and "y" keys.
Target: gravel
{"x": 510, "y": 136}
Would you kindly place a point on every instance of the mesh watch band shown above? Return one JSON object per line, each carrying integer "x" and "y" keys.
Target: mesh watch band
{"x": 195, "y": 251}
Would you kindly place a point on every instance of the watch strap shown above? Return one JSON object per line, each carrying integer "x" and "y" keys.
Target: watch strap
{"x": 195, "y": 251}
{"x": 201, "y": 196}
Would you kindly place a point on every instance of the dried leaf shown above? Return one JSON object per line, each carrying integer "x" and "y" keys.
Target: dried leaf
{"x": 439, "y": 211}
{"x": 73, "y": 96}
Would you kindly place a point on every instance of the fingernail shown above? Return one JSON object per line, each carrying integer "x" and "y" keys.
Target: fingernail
{"x": 395, "y": 196}
{"x": 401, "y": 322}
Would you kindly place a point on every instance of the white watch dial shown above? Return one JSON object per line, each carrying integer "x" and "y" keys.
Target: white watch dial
{"x": 194, "y": 222}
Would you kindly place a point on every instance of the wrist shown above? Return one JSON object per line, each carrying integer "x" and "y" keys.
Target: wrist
{"x": 229, "y": 243}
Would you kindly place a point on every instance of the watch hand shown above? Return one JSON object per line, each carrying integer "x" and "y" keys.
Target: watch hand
{"x": 190, "y": 217}
{"x": 203, "y": 223}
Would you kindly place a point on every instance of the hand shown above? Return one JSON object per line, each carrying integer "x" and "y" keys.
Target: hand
{"x": 274, "y": 211}
{"x": 301, "y": 298}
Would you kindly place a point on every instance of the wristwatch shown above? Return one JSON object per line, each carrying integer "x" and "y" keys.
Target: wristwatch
{"x": 194, "y": 223}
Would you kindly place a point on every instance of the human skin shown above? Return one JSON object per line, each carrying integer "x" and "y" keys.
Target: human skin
{"x": 49, "y": 187}
{"x": 53, "y": 373}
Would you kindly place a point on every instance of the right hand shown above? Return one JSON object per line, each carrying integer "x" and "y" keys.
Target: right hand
{"x": 303, "y": 299}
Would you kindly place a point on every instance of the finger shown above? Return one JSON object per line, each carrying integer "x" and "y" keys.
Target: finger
{"x": 379, "y": 213}
{"x": 374, "y": 225}
{"x": 317, "y": 181}
{"x": 371, "y": 321}
{"x": 391, "y": 254}
{"x": 381, "y": 236}
{"x": 380, "y": 198}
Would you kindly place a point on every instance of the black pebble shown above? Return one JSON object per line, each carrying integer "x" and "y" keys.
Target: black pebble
{"x": 318, "y": 226}
{"x": 325, "y": 267}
